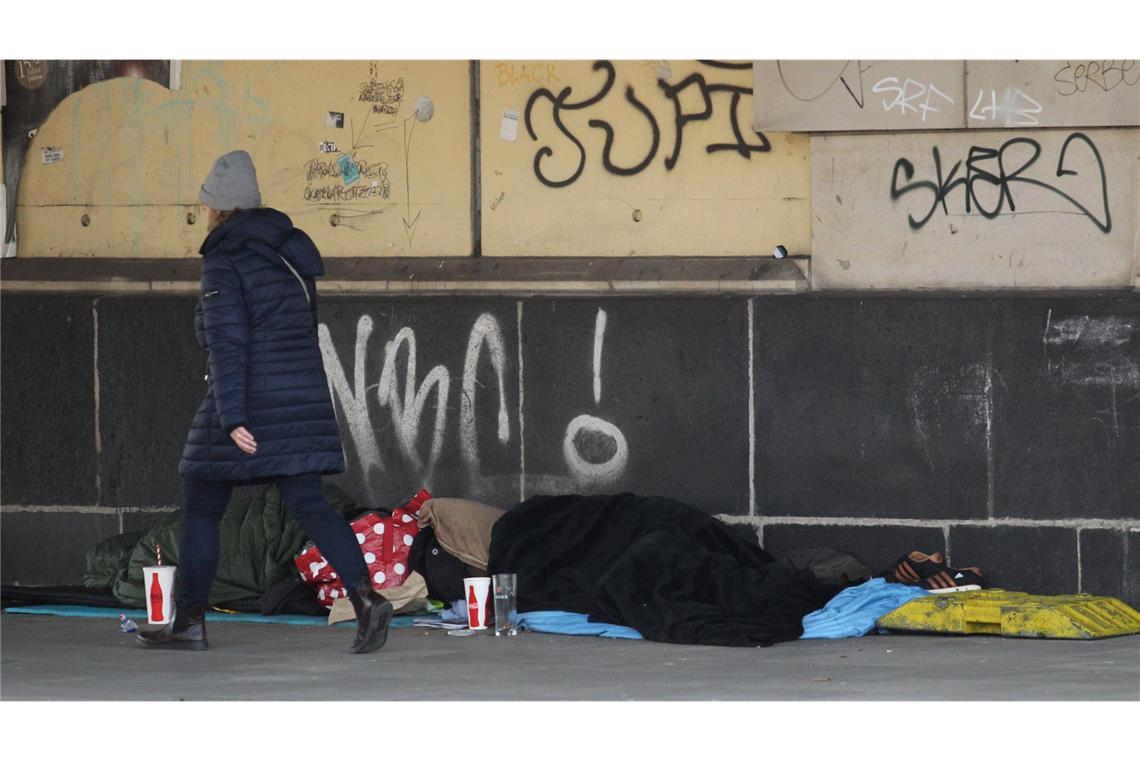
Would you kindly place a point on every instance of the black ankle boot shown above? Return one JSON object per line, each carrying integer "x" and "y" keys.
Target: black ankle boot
{"x": 373, "y": 615}
{"x": 186, "y": 631}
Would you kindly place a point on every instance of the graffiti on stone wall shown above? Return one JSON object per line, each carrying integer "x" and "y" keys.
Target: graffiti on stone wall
{"x": 385, "y": 97}
{"x": 848, "y": 76}
{"x": 595, "y": 449}
{"x": 1013, "y": 108}
{"x": 699, "y": 87}
{"x": 1095, "y": 76}
{"x": 911, "y": 97}
{"x": 336, "y": 181}
{"x": 376, "y": 397}
{"x": 993, "y": 179}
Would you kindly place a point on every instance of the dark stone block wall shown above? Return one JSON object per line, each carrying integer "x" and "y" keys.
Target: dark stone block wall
{"x": 47, "y": 401}
{"x": 1002, "y": 431}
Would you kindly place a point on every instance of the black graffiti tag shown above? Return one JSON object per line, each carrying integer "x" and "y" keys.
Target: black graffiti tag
{"x": 980, "y": 169}
{"x": 561, "y": 103}
{"x": 741, "y": 146}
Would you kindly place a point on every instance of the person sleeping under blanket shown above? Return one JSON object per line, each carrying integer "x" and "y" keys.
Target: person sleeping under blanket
{"x": 662, "y": 567}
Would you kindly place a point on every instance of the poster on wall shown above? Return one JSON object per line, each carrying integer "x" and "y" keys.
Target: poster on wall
{"x": 33, "y": 88}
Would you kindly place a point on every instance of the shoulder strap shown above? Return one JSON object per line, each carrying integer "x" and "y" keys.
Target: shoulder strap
{"x": 304, "y": 287}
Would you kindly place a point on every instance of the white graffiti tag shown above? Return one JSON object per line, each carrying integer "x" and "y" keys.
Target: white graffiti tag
{"x": 587, "y": 436}
{"x": 911, "y": 96}
{"x": 1013, "y": 109}
{"x": 406, "y": 413}
{"x": 407, "y": 403}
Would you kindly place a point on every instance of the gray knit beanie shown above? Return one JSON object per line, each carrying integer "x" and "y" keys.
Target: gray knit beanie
{"x": 231, "y": 184}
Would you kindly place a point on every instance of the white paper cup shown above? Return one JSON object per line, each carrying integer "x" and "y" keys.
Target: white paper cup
{"x": 158, "y": 588}
{"x": 476, "y": 591}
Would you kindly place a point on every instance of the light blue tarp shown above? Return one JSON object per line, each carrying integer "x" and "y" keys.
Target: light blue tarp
{"x": 851, "y": 612}
{"x": 139, "y": 616}
{"x": 573, "y": 624}
{"x": 854, "y": 610}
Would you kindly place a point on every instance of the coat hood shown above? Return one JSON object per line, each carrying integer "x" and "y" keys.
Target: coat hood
{"x": 266, "y": 227}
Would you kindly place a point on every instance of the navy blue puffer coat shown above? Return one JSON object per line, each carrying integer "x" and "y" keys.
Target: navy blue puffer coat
{"x": 265, "y": 367}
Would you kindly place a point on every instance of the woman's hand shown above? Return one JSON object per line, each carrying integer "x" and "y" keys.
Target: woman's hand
{"x": 244, "y": 440}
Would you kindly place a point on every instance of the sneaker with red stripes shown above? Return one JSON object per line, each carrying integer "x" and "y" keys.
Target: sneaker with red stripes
{"x": 954, "y": 579}
{"x": 916, "y": 567}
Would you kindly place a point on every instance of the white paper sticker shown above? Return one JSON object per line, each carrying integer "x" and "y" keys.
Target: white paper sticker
{"x": 52, "y": 155}
{"x": 509, "y": 129}
{"x": 327, "y": 147}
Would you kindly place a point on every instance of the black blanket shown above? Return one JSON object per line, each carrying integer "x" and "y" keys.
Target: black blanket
{"x": 664, "y": 568}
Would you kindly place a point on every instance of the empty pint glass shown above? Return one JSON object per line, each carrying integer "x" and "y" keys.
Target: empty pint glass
{"x": 505, "y": 588}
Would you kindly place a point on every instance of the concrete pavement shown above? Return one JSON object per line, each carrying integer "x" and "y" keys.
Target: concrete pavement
{"x": 57, "y": 658}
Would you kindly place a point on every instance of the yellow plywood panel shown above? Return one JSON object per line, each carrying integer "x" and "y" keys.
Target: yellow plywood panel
{"x": 1016, "y": 614}
{"x": 625, "y": 158}
{"x": 391, "y": 175}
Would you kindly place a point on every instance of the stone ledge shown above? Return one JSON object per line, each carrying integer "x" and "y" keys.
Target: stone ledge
{"x": 432, "y": 275}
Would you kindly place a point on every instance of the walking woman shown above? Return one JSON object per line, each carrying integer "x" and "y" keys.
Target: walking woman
{"x": 267, "y": 416}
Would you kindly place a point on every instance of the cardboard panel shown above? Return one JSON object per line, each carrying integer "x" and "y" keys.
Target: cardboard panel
{"x": 634, "y": 158}
{"x": 369, "y": 158}
{"x": 1053, "y": 93}
{"x": 975, "y": 210}
{"x": 823, "y": 96}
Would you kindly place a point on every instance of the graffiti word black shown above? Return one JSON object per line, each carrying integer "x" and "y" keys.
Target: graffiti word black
{"x": 561, "y": 103}
{"x": 1002, "y": 171}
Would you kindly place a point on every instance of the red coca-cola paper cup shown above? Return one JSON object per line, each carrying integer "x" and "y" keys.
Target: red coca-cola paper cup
{"x": 476, "y": 591}
{"x": 158, "y": 585}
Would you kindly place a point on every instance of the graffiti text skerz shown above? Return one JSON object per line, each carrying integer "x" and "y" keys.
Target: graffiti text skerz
{"x": 1004, "y": 169}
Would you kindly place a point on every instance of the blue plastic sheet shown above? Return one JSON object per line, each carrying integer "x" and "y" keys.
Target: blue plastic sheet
{"x": 854, "y": 610}
{"x": 139, "y": 616}
{"x": 573, "y": 624}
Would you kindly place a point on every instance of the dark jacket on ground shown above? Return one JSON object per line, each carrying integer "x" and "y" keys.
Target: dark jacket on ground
{"x": 265, "y": 368}
{"x": 257, "y": 541}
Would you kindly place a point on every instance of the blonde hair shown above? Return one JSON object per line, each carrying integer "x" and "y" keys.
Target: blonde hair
{"x": 222, "y": 216}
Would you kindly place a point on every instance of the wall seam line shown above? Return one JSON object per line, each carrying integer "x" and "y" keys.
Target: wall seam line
{"x": 522, "y": 424}
{"x": 751, "y": 411}
{"x": 476, "y": 167}
{"x": 96, "y": 392}
{"x": 1080, "y": 579}
{"x": 1123, "y": 525}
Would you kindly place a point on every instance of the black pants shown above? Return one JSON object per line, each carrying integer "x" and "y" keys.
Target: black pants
{"x": 204, "y": 503}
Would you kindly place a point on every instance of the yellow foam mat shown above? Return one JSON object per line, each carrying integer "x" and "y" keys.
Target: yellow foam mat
{"x": 1013, "y": 613}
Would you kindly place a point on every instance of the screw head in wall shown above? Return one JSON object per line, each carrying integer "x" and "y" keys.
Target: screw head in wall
{"x": 637, "y": 215}
{"x": 85, "y": 220}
